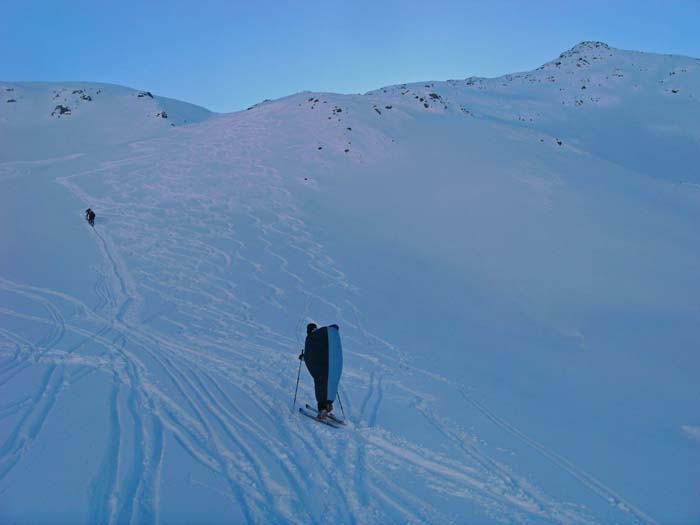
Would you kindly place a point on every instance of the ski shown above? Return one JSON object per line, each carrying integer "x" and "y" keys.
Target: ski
{"x": 330, "y": 416}
{"x": 312, "y": 414}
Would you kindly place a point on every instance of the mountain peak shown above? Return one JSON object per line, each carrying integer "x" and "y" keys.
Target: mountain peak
{"x": 588, "y": 45}
{"x": 587, "y": 48}
{"x": 581, "y": 53}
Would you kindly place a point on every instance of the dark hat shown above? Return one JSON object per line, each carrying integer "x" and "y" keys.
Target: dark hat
{"x": 310, "y": 328}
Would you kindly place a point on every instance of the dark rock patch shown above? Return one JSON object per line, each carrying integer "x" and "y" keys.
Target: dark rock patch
{"x": 60, "y": 110}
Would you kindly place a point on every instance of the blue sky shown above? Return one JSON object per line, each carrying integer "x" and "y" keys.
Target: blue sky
{"x": 227, "y": 55}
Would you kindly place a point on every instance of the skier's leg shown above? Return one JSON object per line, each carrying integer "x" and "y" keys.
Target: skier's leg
{"x": 321, "y": 391}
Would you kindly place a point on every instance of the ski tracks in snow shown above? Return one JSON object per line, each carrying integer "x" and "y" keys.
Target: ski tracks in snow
{"x": 203, "y": 261}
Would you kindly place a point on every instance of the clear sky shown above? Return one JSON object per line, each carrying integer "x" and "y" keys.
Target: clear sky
{"x": 227, "y": 55}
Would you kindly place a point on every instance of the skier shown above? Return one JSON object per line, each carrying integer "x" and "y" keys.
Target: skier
{"x": 90, "y": 216}
{"x": 323, "y": 356}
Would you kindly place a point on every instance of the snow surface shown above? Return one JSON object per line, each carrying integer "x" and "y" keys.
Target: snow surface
{"x": 512, "y": 262}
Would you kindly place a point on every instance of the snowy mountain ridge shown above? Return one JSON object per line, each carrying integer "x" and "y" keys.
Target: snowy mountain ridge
{"x": 585, "y": 99}
{"x": 69, "y": 116}
{"x": 512, "y": 263}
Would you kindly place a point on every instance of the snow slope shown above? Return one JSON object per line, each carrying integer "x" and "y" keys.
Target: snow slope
{"x": 512, "y": 263}
{"x": 40, "y": 119}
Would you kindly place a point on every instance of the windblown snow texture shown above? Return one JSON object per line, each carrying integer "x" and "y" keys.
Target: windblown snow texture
{"x": 323, "y": 355}
{"x": 513, "y": 263}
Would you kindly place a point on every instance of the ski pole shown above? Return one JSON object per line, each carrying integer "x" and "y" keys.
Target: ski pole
{"x": 297, "y": 388}
{"x": 341, "y": 405}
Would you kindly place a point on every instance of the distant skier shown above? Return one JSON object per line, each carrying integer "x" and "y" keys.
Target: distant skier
{"x": 323, "y": 356}
{"x": 90, "y": 216}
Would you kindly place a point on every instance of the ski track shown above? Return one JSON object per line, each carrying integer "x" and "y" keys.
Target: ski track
{"x": 180, "y": 378}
